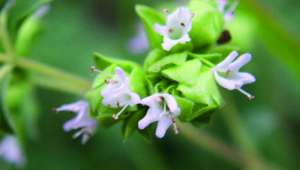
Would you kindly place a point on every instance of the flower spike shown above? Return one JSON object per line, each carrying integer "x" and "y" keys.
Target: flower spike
{"x": 228, "y": 76}
{"x": 163, "y": 109}
{"x": 177, "y": 27}
{"x": 82, "y": 121}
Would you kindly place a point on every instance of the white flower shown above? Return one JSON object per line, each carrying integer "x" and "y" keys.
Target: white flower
{"x": 117, "y": 93}
{"x": 228, "y": 13}
{"x": 177, "y": 27}
{"x": 82, "y": 120}
{"x": 139, "y": 43}
{"x": 163, "y": 109}
{"x": 10, "y": 150}
{"x": 228, "y": 76}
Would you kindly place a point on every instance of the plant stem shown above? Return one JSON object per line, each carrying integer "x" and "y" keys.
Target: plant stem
{"x": 4, "y": 38}
{"x": 216, "y": 146}
{"x": 49, "y": 76}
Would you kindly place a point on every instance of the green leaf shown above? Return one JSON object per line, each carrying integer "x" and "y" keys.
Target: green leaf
{"x": 19, "y": 105}
{"x": 150, "y": 17}
{"x": 173, "y": 59}
{"x": 153, "y": 57}
{"x": 21, "y": 10}
{"x": 186, "y": 73}
{"x": 207, "y": 23}
{"x": 28, "y": 31}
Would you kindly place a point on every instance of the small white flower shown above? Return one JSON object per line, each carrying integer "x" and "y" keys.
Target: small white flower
{"x": 139, "y": 43}
{"x": 228, "y": 76}
{"x": 10, "y": 151}
{"x": 163, "y": 109}
{"x": 177, "y": 27}
{"x": 82, "y": 120}
{"x": 117, "y": 93}
{"x": 228, "y": 13}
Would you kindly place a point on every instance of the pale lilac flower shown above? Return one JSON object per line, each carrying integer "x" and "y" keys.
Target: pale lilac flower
{"x": 82, "y": 121}
{"x": 163, "y": 109}
{"x": 139, "y": 43}
{"x": 228, "y": 13}
{"x": 116, "y": 93}
{"x": 228, "y": 76}
{"x": 177, "y": 27}
{"x": 10, "y": 151}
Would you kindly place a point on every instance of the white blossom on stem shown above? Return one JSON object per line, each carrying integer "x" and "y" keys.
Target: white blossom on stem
{"x": 227, "y": 73}
{"x": 176, "y": 30}
{"x": 163, "y": 109}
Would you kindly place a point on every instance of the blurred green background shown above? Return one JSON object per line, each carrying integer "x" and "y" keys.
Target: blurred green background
{"x": 74, "y": 29}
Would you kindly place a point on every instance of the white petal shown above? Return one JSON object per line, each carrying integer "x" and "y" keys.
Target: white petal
{"x": 240, "y": 62}
{"x": 246, "y": 78}
{"x": 162, "y": 30}
{"x": 227, "y": 83}
{"x": 163, "y": 126}
{"x": 228, "y": 60}
{"x": 121, "y": 75}
{"x": 135, "y": 99}
{"x": 185, "y": 38}
{"x": 171, "y": 103}
{"x": 168, "y": 44}
{"x": 151, "y": 116}
{"x": 73, "y": 107}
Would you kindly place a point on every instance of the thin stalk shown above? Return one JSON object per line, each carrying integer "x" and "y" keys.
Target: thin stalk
{"x": 5, "y": 70}
{"x": 218, "y": 147}
{"x": 49, "y": 76}
{"x": 4, "y": 38}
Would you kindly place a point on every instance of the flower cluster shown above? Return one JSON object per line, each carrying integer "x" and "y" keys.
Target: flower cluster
{"x": 178, "y": 81}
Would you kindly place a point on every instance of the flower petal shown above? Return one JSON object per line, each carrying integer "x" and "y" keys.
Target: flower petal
{"x": 228, "y": 60}
{"x": 240, "y": 62}
{"x": 162, "y": 126}
{"x": 171, "y": 103}
{"x": 162, "y": 30}
{"x": 150, "y": 117}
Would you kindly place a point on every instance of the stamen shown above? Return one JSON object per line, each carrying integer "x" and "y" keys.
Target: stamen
{"x": 182, "y": 24}
{"x": 175, "y": 127}
{"x": 249, "y": 96}
{"x": 116, "y": 116}
{"x": 166, "y": 11}
{"x": 170, "y": 30}
{"x": 94, "y": 69}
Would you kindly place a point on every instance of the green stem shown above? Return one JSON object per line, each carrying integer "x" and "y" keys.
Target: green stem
{"x": 4, "y": 38}
{"x": 50, "y": 77}
{"x": 5, "y": 70}
{"x": 216, "y": 146}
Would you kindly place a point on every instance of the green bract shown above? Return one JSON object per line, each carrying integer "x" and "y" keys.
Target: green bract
{"x": 188, "y": 77}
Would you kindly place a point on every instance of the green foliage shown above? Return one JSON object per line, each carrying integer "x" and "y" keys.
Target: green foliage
{"x": 19, "y": 105}
{"x": 149, "y": 17}
{"x": 207, "y": 22}
{"x": 137, "y": 84}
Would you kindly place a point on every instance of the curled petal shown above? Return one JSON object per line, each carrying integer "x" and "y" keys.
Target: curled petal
{"x": 228, "y": 60}
{"x": 162, "y": 126}
{"x": 240, "y": 62}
